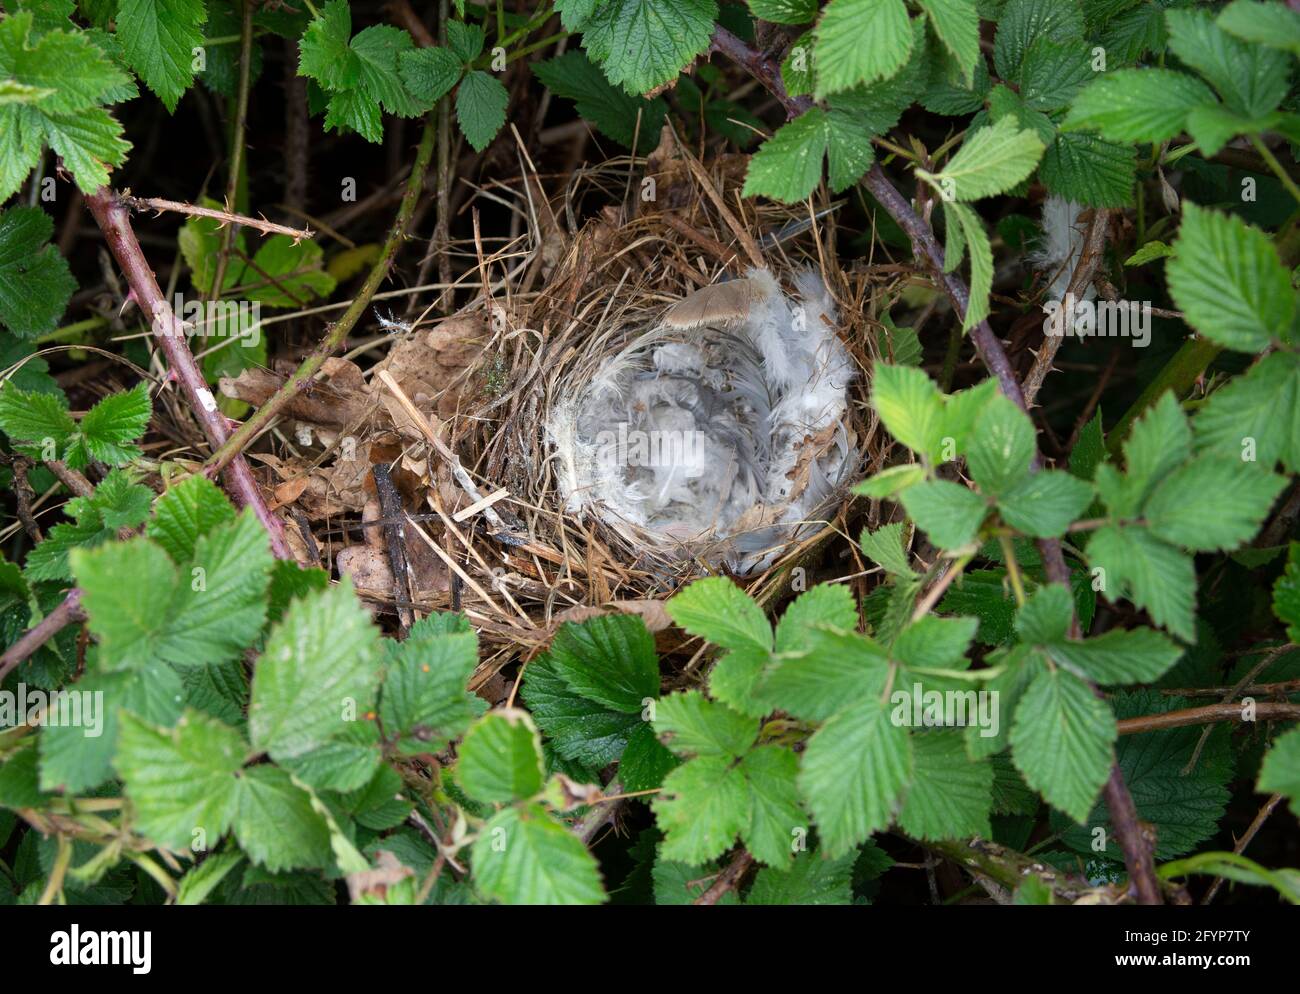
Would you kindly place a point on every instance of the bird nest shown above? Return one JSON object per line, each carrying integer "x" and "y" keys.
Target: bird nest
{"x": 636, "y": 401}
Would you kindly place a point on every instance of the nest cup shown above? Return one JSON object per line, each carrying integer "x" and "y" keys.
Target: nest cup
{"x": 668, "y": 413}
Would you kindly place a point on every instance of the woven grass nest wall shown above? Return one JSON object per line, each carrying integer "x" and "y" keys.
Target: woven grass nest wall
{"x": 492, "y": 531}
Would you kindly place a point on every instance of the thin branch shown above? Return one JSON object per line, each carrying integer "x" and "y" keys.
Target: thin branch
{"x": 1137, "y": 853}
{"x": 728, "y": 880}
{"x": 1090, "y": 258}
{"x": 310, "y": 366}
{"x": 160, "y": 205}
{"x": 1208, "y": 714}
{"x": 114, "y": 219}
{"x": 1269, "y": 807}
{"x": 68, "y": 612}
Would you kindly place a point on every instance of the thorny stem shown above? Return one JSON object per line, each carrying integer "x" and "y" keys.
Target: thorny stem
{"x": 259, "y": 419}
{"x": 114, "y": 219}
{"x": 1138, "y": 856}
{"x": 727, "y": 880}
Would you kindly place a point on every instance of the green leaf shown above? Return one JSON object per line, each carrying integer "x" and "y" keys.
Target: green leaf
{"x": 1183, "y": 807}
{"x": 1280, "y": 771}
{"x": 831, "y": 670}
{"x": 1228, "y": 281}
{"x": 1257, "y": 413}
{"x": 891, "y": 481}
{"x": 1053, "y": 73}
{"x": 1272, "y": 24}
{"x": 1001, "y": 447}
{"x": 429, "y": 73}
{"x": 1154, "y": 576}
{"x": 115, "y": 503}
{"x": 1138, "y": 655}
{"x": 1160, "y": 442}
{"x": 1252, "y": 79}
{"x": 35, "y": 282}
{"x": 644, "y": 762}
{"x": 35, "y": 418}
{"x": 885, "y": 548}
{"x": 957, "y": 24}
{"x": 521, "y": 856}
{"x": 784, "y": 11}
{"x": 1212, "y": 503}
{"x": 379, "y": 50}
{"x": 810, "y": 880}
{"x": 827, "y": 604}
{"x": 276, "y": 824}
{"x": 73, "y": 761}
{"x": 1061, "y": 741}
{"x": 932, "y": 642}
{"x": 113, "y": 423}
{"x": 1044, "y": 505}
{"x": 141, "y": 610}
{"x": 1024, "y": 22}
{"x": 788, "y": 166}
{"x": 976, "y": 240}
{"x": 643, "y": 44}
{"x": 677, "y": 884}
{"x": 465, "y": 39}
{"x": 501, "y": 758}
{"x": 990, "y": 161}
{"x": 317, "y": 674}
{"x": 201, "y": 881}
{"x": 611, "y": 110}
{"x": 609, "y": 659}
{"x": 855, "y": 769}
{"x": 158, "y": 38}
{"x": 910, "y": 405}
{"x": 1044, "y": 618}
{"x": 426, "y": 701}
{"x": 1154, "y": 249}
{"x": 858, "y": 41}
{"x": 1089, "y": 171}
{"x": 692, "y": 725}
{"x": 947, "y": 512}
{"x": 775, "y": 816}
{"x": 716, "y": 610}
{"x": 951, "y": 794}
{"x": 481, "y": 108}
{"x": 1137, "y": 105}
{"x": 703, "y": 806}
{"x": 182, "y": 781}
{"x": 185, "y": 513}
{"x": 577, "y": 728}
{"x": 1286, "y": 593}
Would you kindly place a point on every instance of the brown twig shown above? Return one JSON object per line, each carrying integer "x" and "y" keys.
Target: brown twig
{"x": 73, "y": 479}
{"x": 114, "y": 219}
{"x": 1208, "y": 714}
{"x": 1090, "y": 258}
{"x": 390, "y": 506}
{"x": 1137, "y": 853}
{"x": 729, "y": 879}
{"x": 160, "y": 205}
{"x": 1283, "y": 688}
{"x": 1269, "y": 806}
{"x": 69, "y": 611}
